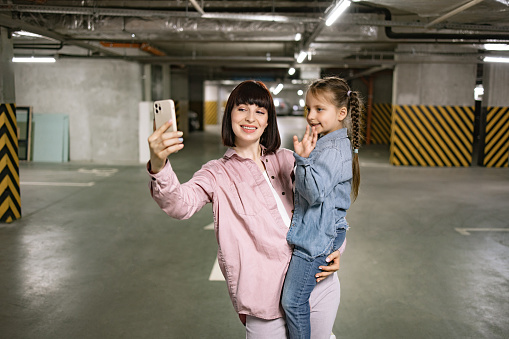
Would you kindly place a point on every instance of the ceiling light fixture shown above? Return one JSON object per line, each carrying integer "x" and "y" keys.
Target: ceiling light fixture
{"x": 298, "y": 36}
{"x": 496, "y": 47}
{"x": 337, "y": 11}
{"x": 27, "y": 34}
{"x": 34, "y": 59}
{"x": 278, "y": 89}
{"x": 302, "y": 56}
{"x": 291, "y": 71}
{"x": 496, "y": 59}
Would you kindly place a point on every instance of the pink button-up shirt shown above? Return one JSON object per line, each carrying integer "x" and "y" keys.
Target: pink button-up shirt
{"x": 253, "y": 253}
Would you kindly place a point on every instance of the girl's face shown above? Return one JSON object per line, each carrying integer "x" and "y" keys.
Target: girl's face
{"x": 324, "y": 115}
{"x": 248, "y": 123}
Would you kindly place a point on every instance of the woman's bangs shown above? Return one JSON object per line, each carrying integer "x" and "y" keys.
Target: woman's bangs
{"x": 252, "y": 94}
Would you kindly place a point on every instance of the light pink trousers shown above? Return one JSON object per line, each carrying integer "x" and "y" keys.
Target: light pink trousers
{"x": 324, "y": 302}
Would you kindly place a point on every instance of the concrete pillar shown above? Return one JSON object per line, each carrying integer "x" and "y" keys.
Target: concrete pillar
{"x": 147, "y": 82}
{"x": 422, "y": 79}
{"x": 494, "y": 129}
{"x": 433, "y": 107}
{"x": 166, "y": 81}
{"x": 196, "y": 100}
{"x": 180, "y": 94}
{"x": 7, "y": 92}
{"x": 10, "y": 202}
{"x": 495, "y": 83}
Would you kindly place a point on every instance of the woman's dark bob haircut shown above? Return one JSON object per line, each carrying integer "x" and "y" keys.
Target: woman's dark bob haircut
{"x": 252, "y": 92}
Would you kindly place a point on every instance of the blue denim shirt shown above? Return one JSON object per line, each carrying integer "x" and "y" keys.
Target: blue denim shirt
{"x": 323, "y": 182}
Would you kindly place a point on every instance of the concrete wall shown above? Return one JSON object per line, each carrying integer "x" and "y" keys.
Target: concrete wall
{"x": 100, "y": 97}
{"x": 431, "y": 80}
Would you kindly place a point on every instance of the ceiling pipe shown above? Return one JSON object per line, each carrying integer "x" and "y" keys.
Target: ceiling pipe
{"x": 454, "y": 12}
{"x": 39, "y": 46}
{"x": 16, "y": 24}
{"x": 435, "y": 36}
{"x": 145, "y": 13}
{"x": 197, "y": 7}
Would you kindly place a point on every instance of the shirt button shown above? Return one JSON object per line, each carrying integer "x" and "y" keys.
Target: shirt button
{"x": 283, "y": 193}
{"x": 266, "y": 160}
{"x": 272, "y": 177}
{"x": 154, "y": 179}
{"x": 292, "y": 211}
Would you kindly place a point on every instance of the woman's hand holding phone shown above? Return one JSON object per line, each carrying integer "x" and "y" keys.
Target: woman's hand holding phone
{"x": 162, "y": 143}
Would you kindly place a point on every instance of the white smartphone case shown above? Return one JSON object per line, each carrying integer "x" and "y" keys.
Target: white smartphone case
{"x": 164, "y": 110}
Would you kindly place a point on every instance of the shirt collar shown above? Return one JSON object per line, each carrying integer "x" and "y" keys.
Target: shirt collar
{"x": 231, "y": 152}
{"x": 340, "y": 133}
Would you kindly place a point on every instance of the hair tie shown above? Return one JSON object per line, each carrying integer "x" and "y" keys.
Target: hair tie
{"x": 356, "y": 150}
{"x": 348, "y": 93}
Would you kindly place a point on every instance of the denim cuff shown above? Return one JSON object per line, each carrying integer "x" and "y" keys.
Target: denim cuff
{"x": 301, "y": 160}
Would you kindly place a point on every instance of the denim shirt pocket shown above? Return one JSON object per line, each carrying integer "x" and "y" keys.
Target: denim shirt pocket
{"x": 243, "y": 205}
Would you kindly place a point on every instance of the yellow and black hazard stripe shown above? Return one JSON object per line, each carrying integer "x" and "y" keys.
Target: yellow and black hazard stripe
{"x": 10, "y": 202}
{"x": 381, "y": 124}
{"x": 432, "y": 135}
{"x": 496, "y": 143}
{"x": 210, "y": 112}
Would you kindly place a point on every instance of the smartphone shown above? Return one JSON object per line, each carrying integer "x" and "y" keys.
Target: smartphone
{"x": 164, "y": 110}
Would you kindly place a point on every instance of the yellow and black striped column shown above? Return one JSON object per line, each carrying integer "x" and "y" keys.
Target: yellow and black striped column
{"x": 381, "y": 124}
{"x": 210, "y": 108}
{"x": 432, "y": 135}
{"x": 10, "y": 202}
{"x": 496, "y": 142}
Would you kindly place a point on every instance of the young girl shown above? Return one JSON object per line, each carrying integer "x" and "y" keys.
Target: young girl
{"x": 250, "y": 189}
{"x": 325, "y": 177}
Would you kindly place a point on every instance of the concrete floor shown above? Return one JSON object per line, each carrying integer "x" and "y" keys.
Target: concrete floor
{"x": 101, "y": 260}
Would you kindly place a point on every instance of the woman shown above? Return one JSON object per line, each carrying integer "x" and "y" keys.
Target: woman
{"x": 250, "y": 189}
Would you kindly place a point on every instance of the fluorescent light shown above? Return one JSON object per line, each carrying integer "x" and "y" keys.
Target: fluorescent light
{"x": 28, "y": 34}
{"x": 496, "y": 59}
{"x": 300, "y": 92}
{"x": 302, "y": 56}
{"x": 496, "y": 47}
{"x": 302, "y": 103}
{"x": 337, "y": 11}
{"x": 291, "y": 71}
{"x": 34, "y": 59}
{"x": 276, "y": 102}
{"x": 298, "y": 36}
{"x": 278, "y": 89}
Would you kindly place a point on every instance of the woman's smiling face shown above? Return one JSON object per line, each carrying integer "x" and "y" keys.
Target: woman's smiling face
{"x": 248, "y": 123}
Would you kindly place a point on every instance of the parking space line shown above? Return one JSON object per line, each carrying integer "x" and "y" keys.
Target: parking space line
{"x": 67, "y": 184}
{"x": 466, "y": 231}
